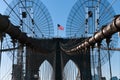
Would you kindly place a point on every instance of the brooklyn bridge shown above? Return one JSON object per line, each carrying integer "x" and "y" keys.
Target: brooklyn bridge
{"x": 38, "y": 49}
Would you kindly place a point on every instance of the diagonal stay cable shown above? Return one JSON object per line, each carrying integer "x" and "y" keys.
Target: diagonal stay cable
{"x": 79, "y": 29}
{"x": 31, "y": 17}
{"x": 6, "y": 74}
{"x": 11, "y": 9}
{"x": 106, "y": 9}
{"x": 17, "y": 15}
{"x": 7, "y": 44}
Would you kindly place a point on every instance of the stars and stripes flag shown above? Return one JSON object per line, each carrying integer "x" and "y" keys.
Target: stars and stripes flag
{"x": 60, "y": 27}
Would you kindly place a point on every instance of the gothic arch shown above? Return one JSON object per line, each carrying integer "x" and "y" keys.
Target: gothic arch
{"x": 46, "y": 71}
{"x": 71, "y": 68}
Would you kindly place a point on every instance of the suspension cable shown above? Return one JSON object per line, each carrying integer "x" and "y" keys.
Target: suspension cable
{"x": 13, "y": 66}
{"x": 9, "y": 47}
{"x": 31, "y": 18}
{"x": 17, "y": 15}
{"x": 109, "y": 59}
{"x": 99, "y": 61}
{"x": 107, "y": 9}
{"x": 1, "y": 41}
{"x": 93, "y": 61}
{"x": 5, "y": 75}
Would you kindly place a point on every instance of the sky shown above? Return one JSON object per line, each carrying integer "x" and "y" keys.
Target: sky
{"x": 59, "y": 10}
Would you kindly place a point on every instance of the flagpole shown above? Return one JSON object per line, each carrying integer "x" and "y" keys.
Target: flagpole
{"x": 59, "y": 27}
{"x": 57, "y": 32}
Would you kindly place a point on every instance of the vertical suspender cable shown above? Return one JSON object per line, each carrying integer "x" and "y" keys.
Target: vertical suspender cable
{"x": 108, "y": 42}
{"x": 93, "y": 61}
{"x": 73, "y": 71}
{"x": 20, "y": 59}
{"x": 110, "y": 64}
{"x": 99, "y": 61}
{"x": 62, "y": 66}
{"x": 1, "y": 50}
{"x": 13, "y": 60}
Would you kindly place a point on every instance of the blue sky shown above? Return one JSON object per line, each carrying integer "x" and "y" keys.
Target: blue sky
{"x": 59, "y": 10}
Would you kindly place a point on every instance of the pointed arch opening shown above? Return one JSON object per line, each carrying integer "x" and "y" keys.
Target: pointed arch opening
{"x": 71, "y": 71}
{"x": 46, "y": 71}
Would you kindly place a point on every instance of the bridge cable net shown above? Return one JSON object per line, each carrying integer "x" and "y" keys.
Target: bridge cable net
{"x": 88, "y": 30}
{"x": 85, "y": 19}
{"x": 32, "y": 18}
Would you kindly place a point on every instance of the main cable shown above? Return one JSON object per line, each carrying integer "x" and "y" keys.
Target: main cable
{"x": 17, "y": 15}
{"x": 107, "y": 9}
{"x": 31, "y": 17}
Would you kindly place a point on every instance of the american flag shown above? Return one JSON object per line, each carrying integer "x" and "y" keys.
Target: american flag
{"x": 60, "y": 27}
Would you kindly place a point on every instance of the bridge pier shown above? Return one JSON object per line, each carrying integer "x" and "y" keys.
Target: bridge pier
{"x": 58, "y": 69}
